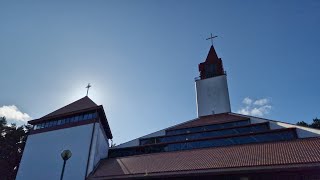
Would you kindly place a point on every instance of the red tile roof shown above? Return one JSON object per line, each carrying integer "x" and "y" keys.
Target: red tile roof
{"x": 285, "y": 153}
{"x": 211, "y": 119}
{"x": 83, "y": 103}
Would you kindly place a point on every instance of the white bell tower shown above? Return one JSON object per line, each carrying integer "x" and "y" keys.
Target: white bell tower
{"x": 211, "y": 87}
{"x": 80, "y": 127}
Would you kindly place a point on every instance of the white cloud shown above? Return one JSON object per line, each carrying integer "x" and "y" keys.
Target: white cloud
{"x": 258, "y": 107}
{"x": 247, "y": 101}
{"x": 14, "y": 115}
{"x": 261, "y": 102}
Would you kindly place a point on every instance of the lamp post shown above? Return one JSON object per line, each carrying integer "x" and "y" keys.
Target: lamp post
{"x": 66, "y": 154}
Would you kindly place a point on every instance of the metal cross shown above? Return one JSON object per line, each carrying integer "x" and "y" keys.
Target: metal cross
{"x": 88, "y": 87}
{"x": 211, "y": 37}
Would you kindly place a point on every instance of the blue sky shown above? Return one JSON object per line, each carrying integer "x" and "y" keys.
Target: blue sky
{"x": 142, "y": 57}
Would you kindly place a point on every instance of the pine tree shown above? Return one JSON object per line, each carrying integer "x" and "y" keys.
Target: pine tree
{"x": 12, "y": 142}
{"x": 315, "y": 124}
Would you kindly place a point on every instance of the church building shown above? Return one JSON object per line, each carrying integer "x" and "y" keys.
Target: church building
{"x": 217, "y": 144}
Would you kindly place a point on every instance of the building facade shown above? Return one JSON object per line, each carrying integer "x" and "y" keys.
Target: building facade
{"x": 81, "y": 127}
{"x": 218, "y": 144}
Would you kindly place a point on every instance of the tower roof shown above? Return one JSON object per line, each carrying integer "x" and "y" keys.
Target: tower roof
{"x": 212, "y": 55}
{"x": 212, "y": 66}
{"x": 83, "y": 103}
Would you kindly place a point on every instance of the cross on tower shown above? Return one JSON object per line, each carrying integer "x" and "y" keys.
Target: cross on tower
{"x": 88, "y": 87}
{"x": 211, "y": 38}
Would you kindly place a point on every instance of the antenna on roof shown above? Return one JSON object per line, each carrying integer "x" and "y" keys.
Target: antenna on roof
{"x": 88, "y": 87}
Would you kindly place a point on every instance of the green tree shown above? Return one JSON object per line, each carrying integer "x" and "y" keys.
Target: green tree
{"x": 315, "y": 124}
{"x": 12, "y": 142}
{"x": 302, "y": 123}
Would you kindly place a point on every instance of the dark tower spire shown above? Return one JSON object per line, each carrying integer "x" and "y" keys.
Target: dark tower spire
{"x": 212, "y": 66}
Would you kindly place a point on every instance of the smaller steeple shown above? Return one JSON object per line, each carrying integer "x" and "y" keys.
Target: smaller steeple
{"x": 212, "y": 66}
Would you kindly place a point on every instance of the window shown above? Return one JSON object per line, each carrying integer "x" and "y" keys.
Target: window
{"x": 50, "y": 124}
{"x": 67, "y": 120}
{"x": 71, "y": 119}
{"x": 59, "y": 122}
{"x": 208, "y": 134}
{"x": 286, "y": 134}
{"x": 208, "y": 127}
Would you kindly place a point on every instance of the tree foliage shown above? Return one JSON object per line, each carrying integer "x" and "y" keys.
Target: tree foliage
{"x": 315, "y": 124}
{"x": 12, "y": 142}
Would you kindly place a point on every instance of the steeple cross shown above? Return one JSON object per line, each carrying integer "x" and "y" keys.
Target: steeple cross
{"x": 211, "y": 38}
{"x": 88, "y": 87}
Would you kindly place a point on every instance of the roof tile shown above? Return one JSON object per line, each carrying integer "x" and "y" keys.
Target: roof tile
{"x": 265, "y": 154}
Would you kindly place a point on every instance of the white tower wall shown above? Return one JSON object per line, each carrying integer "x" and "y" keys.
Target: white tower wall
{"x": 212, "y": 96}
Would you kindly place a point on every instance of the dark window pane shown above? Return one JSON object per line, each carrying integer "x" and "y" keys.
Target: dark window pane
{"x": 208, "y": 127}
{"x": 67, "y": 120}
{"x": 245, "y": 139}
{"x": 209, "y": 134}
{"x": 46, "y": 125}
{"x": 50, "y": 124}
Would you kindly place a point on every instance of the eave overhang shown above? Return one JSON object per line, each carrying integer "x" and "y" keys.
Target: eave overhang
{"x": 99, "y": 109}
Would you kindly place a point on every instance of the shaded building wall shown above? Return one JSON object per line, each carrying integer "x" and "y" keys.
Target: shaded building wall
{"x": 99, "y": 149}
{"x": 41, "y": 157}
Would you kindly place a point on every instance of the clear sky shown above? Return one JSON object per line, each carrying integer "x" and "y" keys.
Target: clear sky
{"x": 141, "y": 58}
